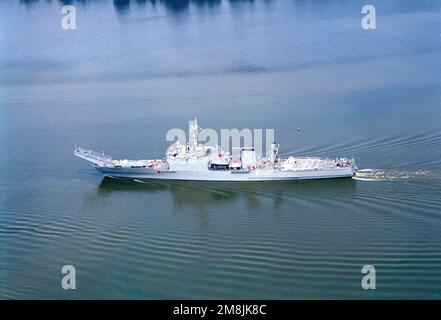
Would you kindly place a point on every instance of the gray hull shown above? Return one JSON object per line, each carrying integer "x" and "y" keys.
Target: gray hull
{"x": 208, "y": 175}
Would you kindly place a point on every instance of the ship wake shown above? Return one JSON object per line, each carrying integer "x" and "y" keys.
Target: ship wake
{"x": 397, "y": 175}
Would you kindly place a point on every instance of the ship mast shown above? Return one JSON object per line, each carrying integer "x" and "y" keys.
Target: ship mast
{"x": 274, "y": 152}
{"x": 193, "y": 132}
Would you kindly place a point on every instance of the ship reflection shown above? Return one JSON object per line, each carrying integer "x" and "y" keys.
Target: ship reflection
{"x": 202, "y": 194}
{"x": 175, "y": 7}
{"x": 182, "y": 192}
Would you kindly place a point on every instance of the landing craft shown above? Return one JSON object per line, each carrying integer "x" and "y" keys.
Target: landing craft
{"x": 197, "y": 162}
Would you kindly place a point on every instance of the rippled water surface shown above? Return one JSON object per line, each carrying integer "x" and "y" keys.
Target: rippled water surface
{"x": 134, "y": 69}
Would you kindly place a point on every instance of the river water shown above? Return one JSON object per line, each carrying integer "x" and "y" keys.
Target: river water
{"x": 132, "y": 70}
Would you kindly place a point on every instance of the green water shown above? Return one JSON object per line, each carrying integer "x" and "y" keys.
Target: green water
{"x": 129, "y": 73}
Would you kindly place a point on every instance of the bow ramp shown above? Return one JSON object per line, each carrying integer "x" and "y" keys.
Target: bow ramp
{"x": 98, "y": 159}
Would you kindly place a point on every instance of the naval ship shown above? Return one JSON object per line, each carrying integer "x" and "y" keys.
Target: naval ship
{"x": 197, "y": 162}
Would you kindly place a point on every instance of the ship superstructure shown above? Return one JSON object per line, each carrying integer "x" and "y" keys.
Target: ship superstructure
{"x": 194, "y": 161}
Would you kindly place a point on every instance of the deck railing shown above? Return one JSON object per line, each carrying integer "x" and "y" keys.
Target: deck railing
{"x": 99, "y": 159}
